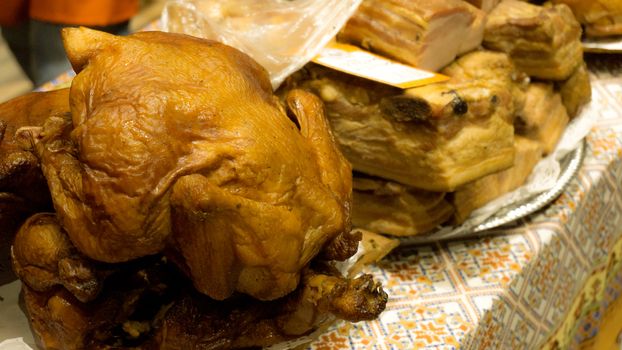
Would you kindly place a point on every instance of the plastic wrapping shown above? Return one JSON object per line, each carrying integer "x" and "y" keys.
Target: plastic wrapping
{"x": 281, "y": 35}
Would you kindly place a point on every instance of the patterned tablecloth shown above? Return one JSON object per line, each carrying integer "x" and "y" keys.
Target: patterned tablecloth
{"x": 546, "y": 281}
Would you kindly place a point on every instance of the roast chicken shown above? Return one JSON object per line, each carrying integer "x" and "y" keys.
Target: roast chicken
{"x": 161, "y": 153}
{"x": 23, "y": 189}
{"x": 193, "y": 208}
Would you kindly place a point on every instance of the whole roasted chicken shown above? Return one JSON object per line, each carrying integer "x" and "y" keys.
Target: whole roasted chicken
{"x": 193, "y": 208}
{"x": 178, "y": 144}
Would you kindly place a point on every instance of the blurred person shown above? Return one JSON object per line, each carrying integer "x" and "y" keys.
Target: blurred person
{"x": 31, "y": 29}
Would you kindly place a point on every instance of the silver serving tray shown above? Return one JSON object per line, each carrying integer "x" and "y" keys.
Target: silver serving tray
{"x": 570, "y": 166}
{"x": 603, "y": 45}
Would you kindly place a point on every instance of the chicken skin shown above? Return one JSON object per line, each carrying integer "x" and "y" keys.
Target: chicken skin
{"x": 177, "y": 145}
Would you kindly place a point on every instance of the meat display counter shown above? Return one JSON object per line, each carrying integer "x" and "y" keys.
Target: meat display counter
{"x": 546, "y": 281}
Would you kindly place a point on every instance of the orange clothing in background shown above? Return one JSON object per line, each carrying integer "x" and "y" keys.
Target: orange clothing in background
{"x": 73, "y": 12}
{"x": 83, "y": 12}
{"x": 13, "y": 12}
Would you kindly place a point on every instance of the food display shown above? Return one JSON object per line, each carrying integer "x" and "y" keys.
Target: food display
{"x": 419, "y": 150}
{"x": 171, "y": 199}
{"x": 425, "y": 34}
{"x": 187, "y": 197}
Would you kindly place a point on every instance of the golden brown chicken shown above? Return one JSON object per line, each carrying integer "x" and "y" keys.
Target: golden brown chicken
{"x": 193, "y": 208}
{"x": 23, "y": 189}
{"x": 178, "y": 144}
{"x": 44, "y": 257}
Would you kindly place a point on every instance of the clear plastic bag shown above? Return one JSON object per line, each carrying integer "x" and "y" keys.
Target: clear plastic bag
{"x": 281, "y": 35}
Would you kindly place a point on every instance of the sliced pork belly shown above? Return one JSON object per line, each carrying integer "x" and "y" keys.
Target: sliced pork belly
{"x": 426, "y": 34}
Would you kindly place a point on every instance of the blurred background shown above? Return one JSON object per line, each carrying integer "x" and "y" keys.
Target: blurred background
{"x": 13, "y": 81}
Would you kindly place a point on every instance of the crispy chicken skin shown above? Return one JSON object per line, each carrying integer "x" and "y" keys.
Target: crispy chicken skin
{"x": 197, "y": 323}
{"x": 182, "y": 319}
{"x": 177, "y": 144}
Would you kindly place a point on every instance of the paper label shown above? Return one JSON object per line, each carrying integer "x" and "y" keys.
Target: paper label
{"x": 356, "y": 61}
